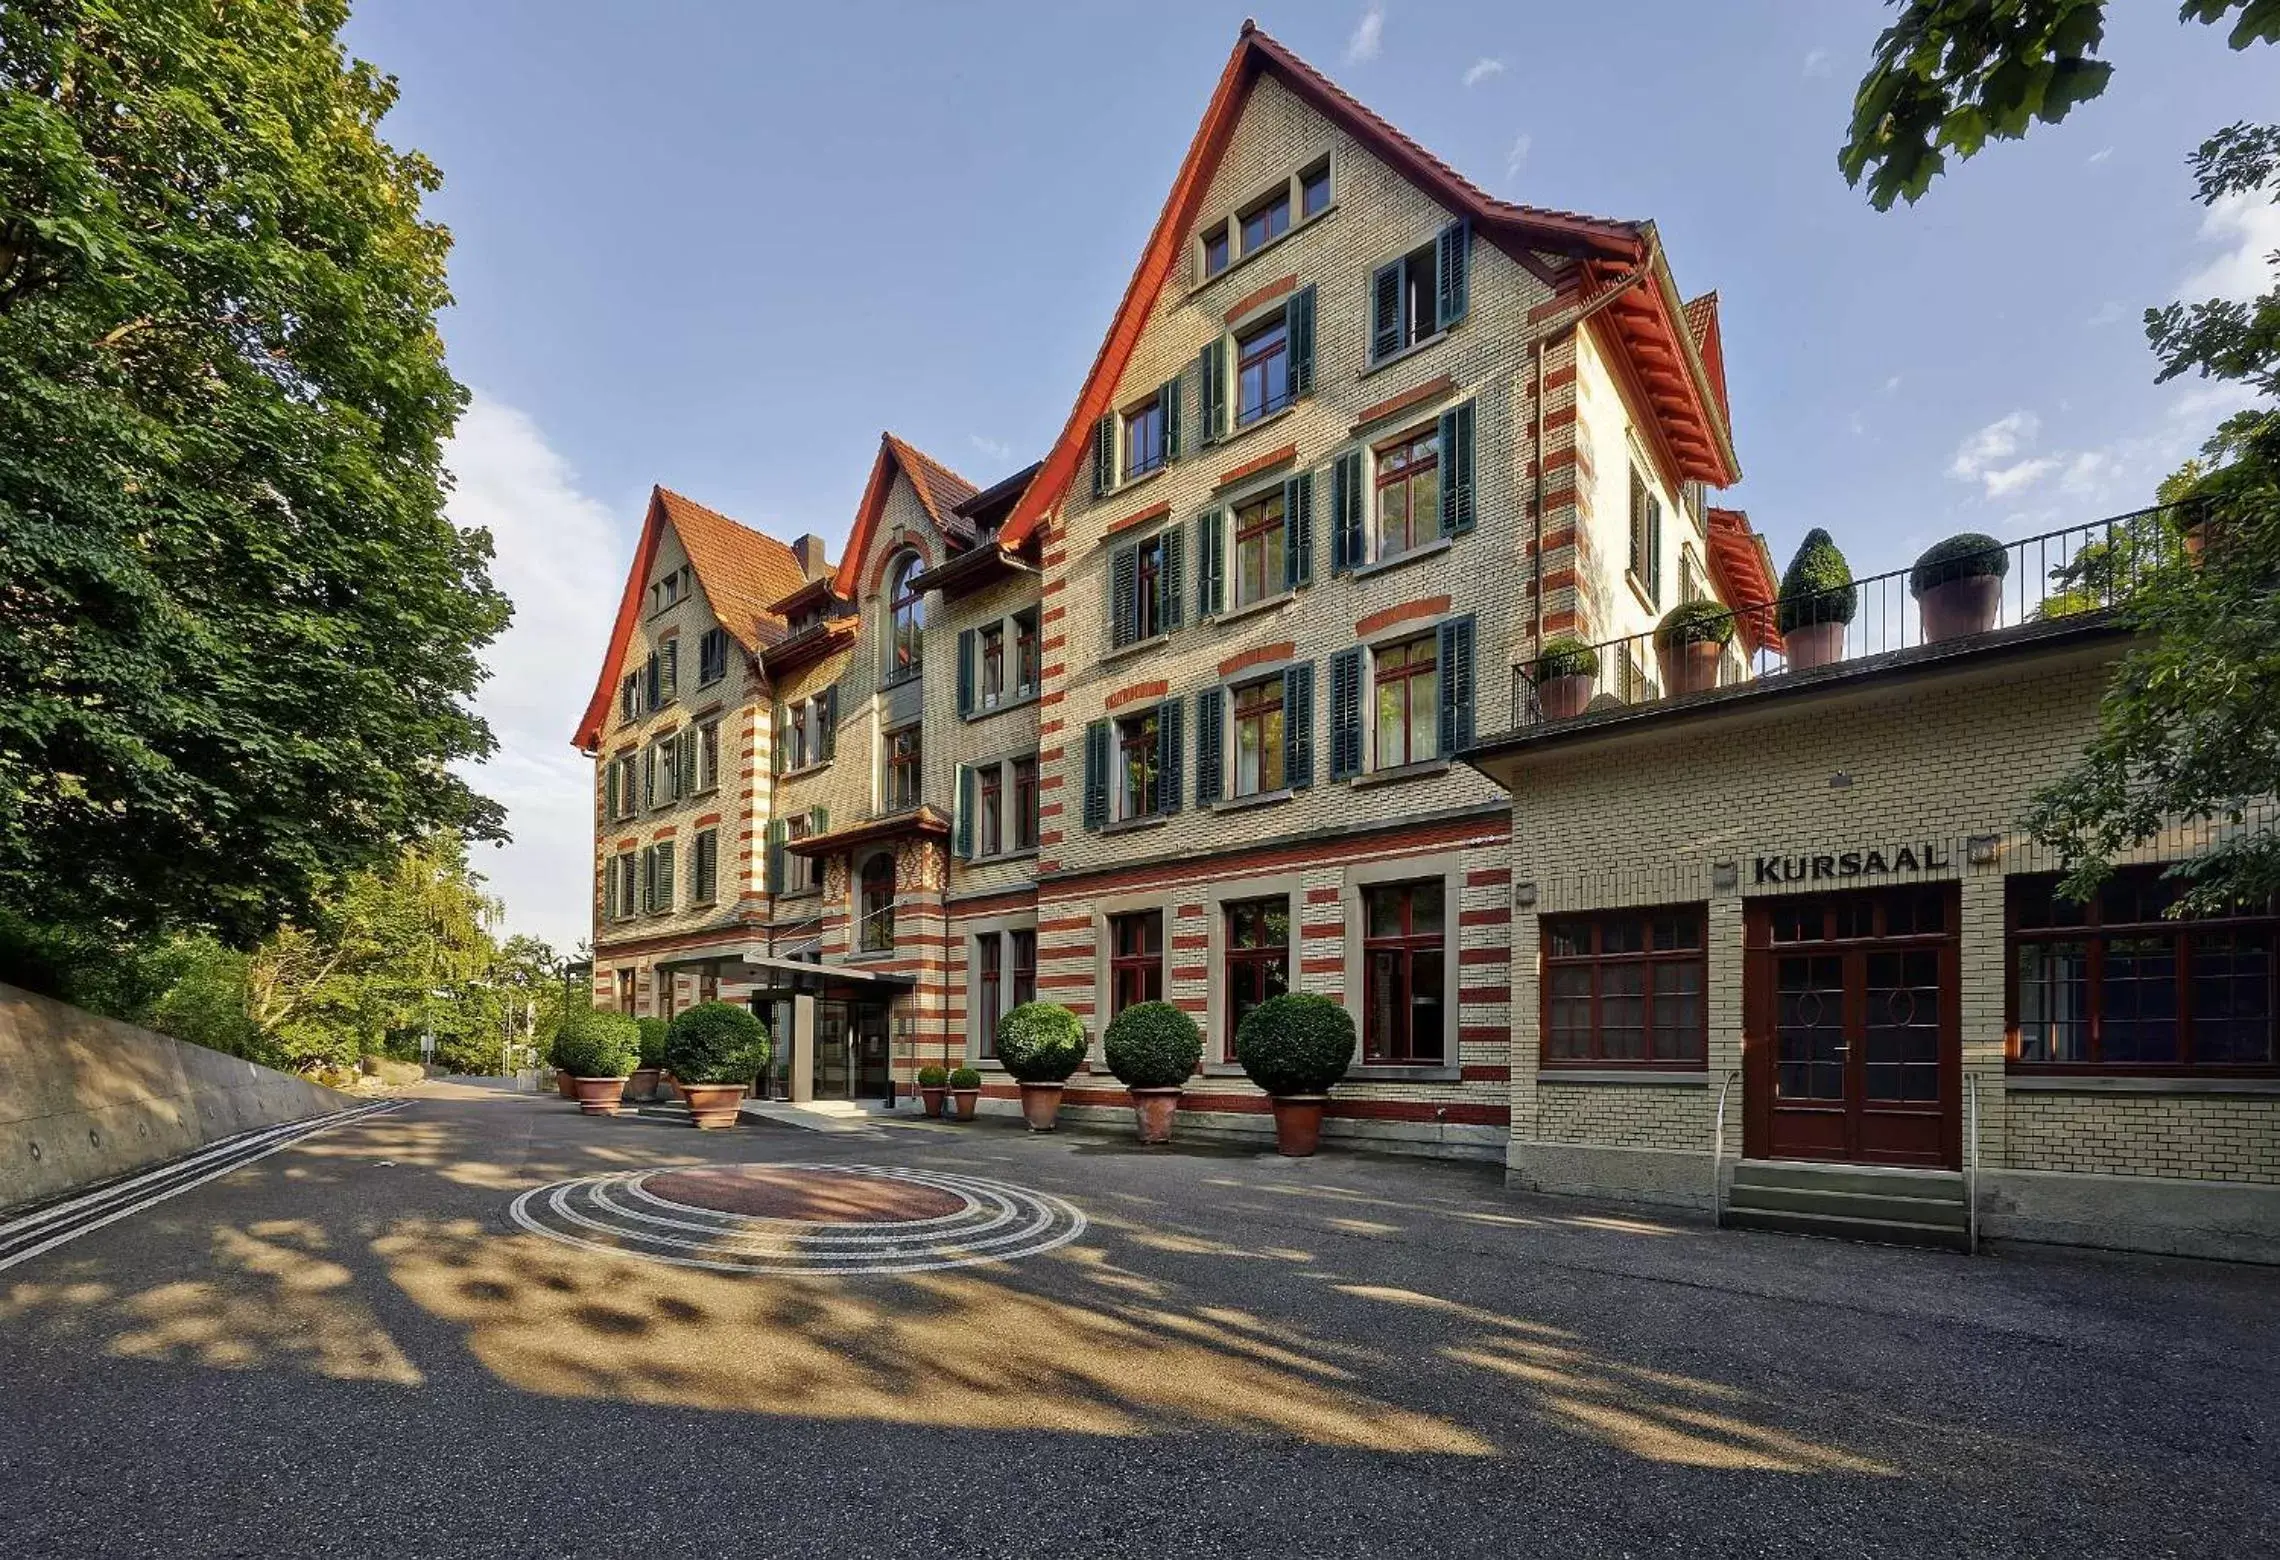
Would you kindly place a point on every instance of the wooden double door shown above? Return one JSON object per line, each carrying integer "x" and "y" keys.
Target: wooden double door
{"x": 1851, "y": 1046}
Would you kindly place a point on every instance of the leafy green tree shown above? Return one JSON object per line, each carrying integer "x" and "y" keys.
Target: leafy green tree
{"x": 237, "y": 634}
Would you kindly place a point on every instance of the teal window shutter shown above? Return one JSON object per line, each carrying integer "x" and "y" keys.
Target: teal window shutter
{"x": 1104, "y": 455}
{"x": 1346, "y": 713}
{"x": 1456, "y": 671}
{"x": 1207, "y": 740}
{"x": 1171, "y": 579}
{"x": 685, "y": 759}
{"x": 1171, "y": 748}
{"x": 1385, "y": 311}
{"x": 1348, "y": 549}
{"x": 965, "y": 845}
{"x": 662, "y": 854}
{"x": 778, "y": 729}
{"x": 1096, "y": 774}
{"x": 1654, "y": 549}
{"x": 1210, "y": 562}
{"x": 1452, "y": 259}
{"x": 777, "y": 832}
{"x": 1298, "y": 725}
{"x": 965, "y": 671}
{"x": 1457, "y": 470}
{"x": 1211, "y": 392}
{"x": 610, "y": 789}
{"x": 1298, "y": 530}
{"x": 1170, "y": 401}
{"x": 1298, "y": 331}
{"x": 827, "y": 722}
{"x": 669, "y": 674}
{"x": 1123, "y": 578}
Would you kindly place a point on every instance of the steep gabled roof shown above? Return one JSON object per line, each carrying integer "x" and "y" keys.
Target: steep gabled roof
{"x": 740, "y": 570}
{"x": 1523, "y": 232}
{"x": 1709, "y": 340}
{"x": 940, "y": 490}
{"x": 1742, "y": 565}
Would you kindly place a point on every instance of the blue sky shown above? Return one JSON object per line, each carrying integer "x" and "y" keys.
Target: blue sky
{"x": 722, "y": 246}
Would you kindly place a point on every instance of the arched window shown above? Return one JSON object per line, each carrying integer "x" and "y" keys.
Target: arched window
{"x": 876, "y": 930}
{"x": 907, "y": 608}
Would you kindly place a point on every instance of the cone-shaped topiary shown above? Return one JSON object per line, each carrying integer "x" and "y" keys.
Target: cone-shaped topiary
{"x": 1960, "y": 557}
{"x": 1297, "y": 1043}
{"x": 1564, "y": 655}
{"x": 1694, "y": 622}
{"x": 1152, "y": 1045}
{"x": 596, "y": 1043}
{"x": 965, "y": 1078}
{"x": 716, "y": 1042}
{"x": 1818, "y": 587}
{"x": 652, "y": 1041}
{"x": 1040, "y": 1042}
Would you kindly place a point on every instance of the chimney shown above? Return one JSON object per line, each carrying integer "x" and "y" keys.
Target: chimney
{"x": 814, "y": 563}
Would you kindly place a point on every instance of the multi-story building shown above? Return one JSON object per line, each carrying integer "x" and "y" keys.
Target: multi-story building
{"x": 1174, "y": 713}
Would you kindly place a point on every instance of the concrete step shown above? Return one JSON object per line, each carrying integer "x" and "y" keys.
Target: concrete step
{"x": 1883, "y": 1232}
{"x": 1868, "y": 1180}
{"x": 1865, "y": 1207}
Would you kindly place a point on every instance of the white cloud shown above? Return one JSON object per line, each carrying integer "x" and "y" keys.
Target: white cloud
{"x": 1995, "y": 456}
{"x": 995, "y": 449}
{"x": 1481, "y": 69}
{"x": 2250, "y": 225}
{"x": 1368, "y": 34}
{"x": 1857, "y": 423}
{"x": 2109, "y": 313}
{"x": 560, "y": 555}
{"x": 2003, "y": 481}
{"x": 2100, "y": 155}
{"x": 1817, "y": 63}
{"x": 1892, "y": 385}
{"x": 1517, "y": 158}
{"x": 2089, "y": 473}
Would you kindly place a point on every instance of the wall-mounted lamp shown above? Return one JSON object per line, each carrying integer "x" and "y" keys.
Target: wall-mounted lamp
{"x": 1840, "y": 781}
{"x": 1523, "y": 895}
{"x": 1984, "y": 849}
{"x": 1725, "y": 876}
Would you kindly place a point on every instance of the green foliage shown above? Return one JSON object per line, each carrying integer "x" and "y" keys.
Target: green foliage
{"x": 652, "y": 1041}
{"x": 716, "y": 1042}
{"x": 1152, "y": 1045}
{"x": 1966, "y": 555}
{"x": 933, "y": 1076}
{"x": 1040, "y": 1042}
{"x": 596, "y": 1043}
{"x": 965, "y": 1078}
{"x": 1296, "y": 1043}
{"x": 1564, "y": 655}
{"x": 1818, "y": 587}
{"x": 239, "y": 635}
{"x": 1694, "y": 622}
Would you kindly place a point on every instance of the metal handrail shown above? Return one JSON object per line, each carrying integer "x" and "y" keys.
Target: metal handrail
{"x": 1718, "y": 1150}
{"x": 1971, "y": 1169}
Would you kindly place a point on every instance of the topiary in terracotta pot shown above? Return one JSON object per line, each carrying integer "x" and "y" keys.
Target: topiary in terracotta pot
{"x": 965, "y": 1092}
{"x": 715, "y": 1050}
{"x": 1565, "y": 671}
{"x": 1040, "y": 1044}
{"x": 597, "y": 1049}
{"x": 1818, "y": 600}
{"x": 643, "y": 1084}
{"x": 1153, "y": 1049}
{"x": 1958, "y": 585}
{"x": 933, "y": 1088}
{"x": 1296, "y": 1047}
{"x": 1689, "y": 643}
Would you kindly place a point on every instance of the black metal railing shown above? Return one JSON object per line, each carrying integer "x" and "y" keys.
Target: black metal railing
{"x": 2079, "y": 570}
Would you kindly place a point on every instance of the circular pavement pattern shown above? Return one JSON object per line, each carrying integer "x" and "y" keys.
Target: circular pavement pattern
{"x": 800, "y": 1218}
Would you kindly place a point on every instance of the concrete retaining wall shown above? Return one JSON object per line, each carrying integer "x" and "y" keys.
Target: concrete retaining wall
{"x": 83, "y": 1099}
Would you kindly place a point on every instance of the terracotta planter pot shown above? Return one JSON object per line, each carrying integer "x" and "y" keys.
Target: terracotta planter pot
{"x": 1041, "y": 1105}
{"x": 1154, "y": 1108}
{"x": 643, "y": 1084}
{"x": 565, "y": 1085}
{"x": 966, "y": 1100}
{"x": 1298, "y": 1124}
{"x": 2196, "y": 540}
{"x": 1691, "y": 667}
{"x": 674, "y": 1084}
{"x": 600, "y": 1096}
{"x": 931, "y": 1097}
{"x": 1815, "y": 644}
{"x": 1953, "y": 609}
{"x": 1563, "y": 697}
{"x": 714, "y": 1105}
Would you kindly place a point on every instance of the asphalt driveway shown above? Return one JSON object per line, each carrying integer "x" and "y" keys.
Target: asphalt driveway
{"x": 352, "y": 1347}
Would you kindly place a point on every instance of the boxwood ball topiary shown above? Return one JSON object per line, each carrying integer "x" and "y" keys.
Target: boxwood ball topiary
{"x": 933, "y": 1076}
{"x": 1818, "y": 587}
{"x": 716, "y": 1042}
{"x": 1040, "y": 1042}
{"x": 1960, "y": 557}
{"x": 1564, "y": 655}
{"x": 965, "y": 1078}
{"x": 1297, "y": 1043}
{"x": 1694, "y": 622}
{"x": 652, "y": 1041}
{"x": 596, "y": 1043}
{"x": 1152, "y": 1045}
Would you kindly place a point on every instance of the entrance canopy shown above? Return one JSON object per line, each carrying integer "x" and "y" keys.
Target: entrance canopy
{"x": 779, "y": 979}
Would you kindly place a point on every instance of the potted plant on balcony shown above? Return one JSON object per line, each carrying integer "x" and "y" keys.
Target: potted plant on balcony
{"x": 1296, "y": 1047}
{"x": 1818, "y": 600}
{"x": 1688, "y": 643}
{"x": 596, "y": 1049}
{"x": 1153, "y": 1047}
{"x": 1958, "y": 585}
{"x": 965, "y": 1092}
{"x": 1040, "y": 1044}
{"x": 643, "y": 1084}
{"x": 933, "y": 1088}
{"x": 715, "y": 1050}
{"x": 1565, "y": 670}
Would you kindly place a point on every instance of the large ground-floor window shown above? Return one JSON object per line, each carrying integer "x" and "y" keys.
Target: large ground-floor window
{"x": 1625, "y": 989}
{"x": 1257, "y": 957}
{"x": 1136, "y": 959}
{"x": 1403, "y": 1016}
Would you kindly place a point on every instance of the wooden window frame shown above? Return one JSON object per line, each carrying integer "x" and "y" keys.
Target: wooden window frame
{"x": 1263, "y": 518}
{"x": 1307, "y": 178}
{"x": 798, "y": 827}
{"x": 1025, "y": 803}
{"x": 1258, "y": 348}
{"x": 901, "y": 784}
{"x": 1149, "y": 559}
{"x": 1021, "y": 963}
{"x": 1139, "y": 734}
{"x": 1219, "y": 246}
{"x": 1135, "y": 972}
{"x": 701, "y": 843}
{"x": 1409, "y": 671}
{"x": 1263, "y": 207}
{"x": 1648, "y": 959}
{"x": 1256, "y": 703}
{"x": 1130, "y": 425}
{"x": 906, "y": 618}
{"x": 992, "y": 656}
{"x": 875, "y": 921}
{"x": 1027, "y": 668}
{"x": 1237, "y": 958}
{"x": 1398, "y": 463}
{"x": 989, "y": 992}
{"x": 989, "y": 810}
{"x": 1407, "y": 944}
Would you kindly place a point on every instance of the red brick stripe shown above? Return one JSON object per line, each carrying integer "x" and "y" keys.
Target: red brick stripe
{"x": 1266, "y": 294}
{"x": 1281, "y": 651}
{"x": 1152, "y": 512}
{"x": 1252, "y": 468}
{"x": 1154, "y": 688}
{"x": 1439, "y": 385}
{"x": 1429, "y": 606}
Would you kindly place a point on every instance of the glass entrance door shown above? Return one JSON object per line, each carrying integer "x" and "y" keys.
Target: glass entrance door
{"x": 1851, "y": 1043}
{"x": 871, "y": 1052}
{"x": 834, "y": 1052}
